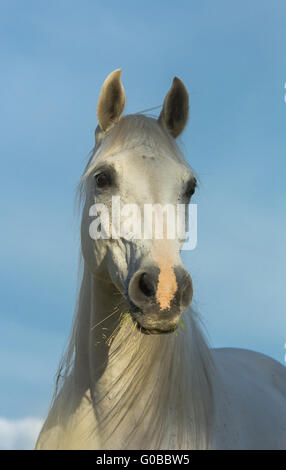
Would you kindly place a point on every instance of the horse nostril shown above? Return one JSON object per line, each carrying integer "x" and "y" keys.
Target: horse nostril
{"x": 146, "y": 286}
{"x": 187, "y": 292}
{"x": 142, "y": 287}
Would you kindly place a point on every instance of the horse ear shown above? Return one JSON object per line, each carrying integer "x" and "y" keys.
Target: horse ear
{"x": 111, "y": 101}
{"x": 175, "y": 111}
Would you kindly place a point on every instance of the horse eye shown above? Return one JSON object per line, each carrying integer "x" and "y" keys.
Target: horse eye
{"x": 102, "y": 180}
{"x": 191, "y": 188}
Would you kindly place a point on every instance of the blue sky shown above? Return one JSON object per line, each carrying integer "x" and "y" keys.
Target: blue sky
{"x": 54, "y": 58}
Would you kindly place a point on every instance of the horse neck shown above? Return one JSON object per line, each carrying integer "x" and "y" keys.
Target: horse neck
{"x": 141, "y": 386}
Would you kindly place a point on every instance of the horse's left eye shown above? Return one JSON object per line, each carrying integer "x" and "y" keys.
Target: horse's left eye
{"x": 191, "y": 187}
{"x": 102, "y": 180}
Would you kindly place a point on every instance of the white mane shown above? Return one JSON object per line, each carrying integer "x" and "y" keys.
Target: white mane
{"x": 151, "y": 373}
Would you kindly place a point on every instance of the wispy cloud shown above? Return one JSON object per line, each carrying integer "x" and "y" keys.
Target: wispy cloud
{"x": 19, "y": 434}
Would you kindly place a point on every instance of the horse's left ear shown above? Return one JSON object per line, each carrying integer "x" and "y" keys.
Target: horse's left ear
{"x": 175, "y": 111}
{"x": 111, "y": 101}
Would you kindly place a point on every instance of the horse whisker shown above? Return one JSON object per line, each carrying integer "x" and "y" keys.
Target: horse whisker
{"x": 106, "y": 318}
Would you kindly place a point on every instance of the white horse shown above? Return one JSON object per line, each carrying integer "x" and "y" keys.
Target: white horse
{"x": 123, "y": 384}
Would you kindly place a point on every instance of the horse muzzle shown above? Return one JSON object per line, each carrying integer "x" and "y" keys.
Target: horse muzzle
{"x": 158, "y": 299}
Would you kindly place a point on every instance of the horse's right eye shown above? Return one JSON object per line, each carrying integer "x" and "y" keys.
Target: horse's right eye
{"x": 191, "y": 187}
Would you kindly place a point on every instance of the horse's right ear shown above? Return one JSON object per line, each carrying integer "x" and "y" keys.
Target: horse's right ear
{"x": 111, "y": 101}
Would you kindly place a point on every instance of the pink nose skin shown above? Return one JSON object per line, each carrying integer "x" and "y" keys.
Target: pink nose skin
{"x": 147, "y": 290}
